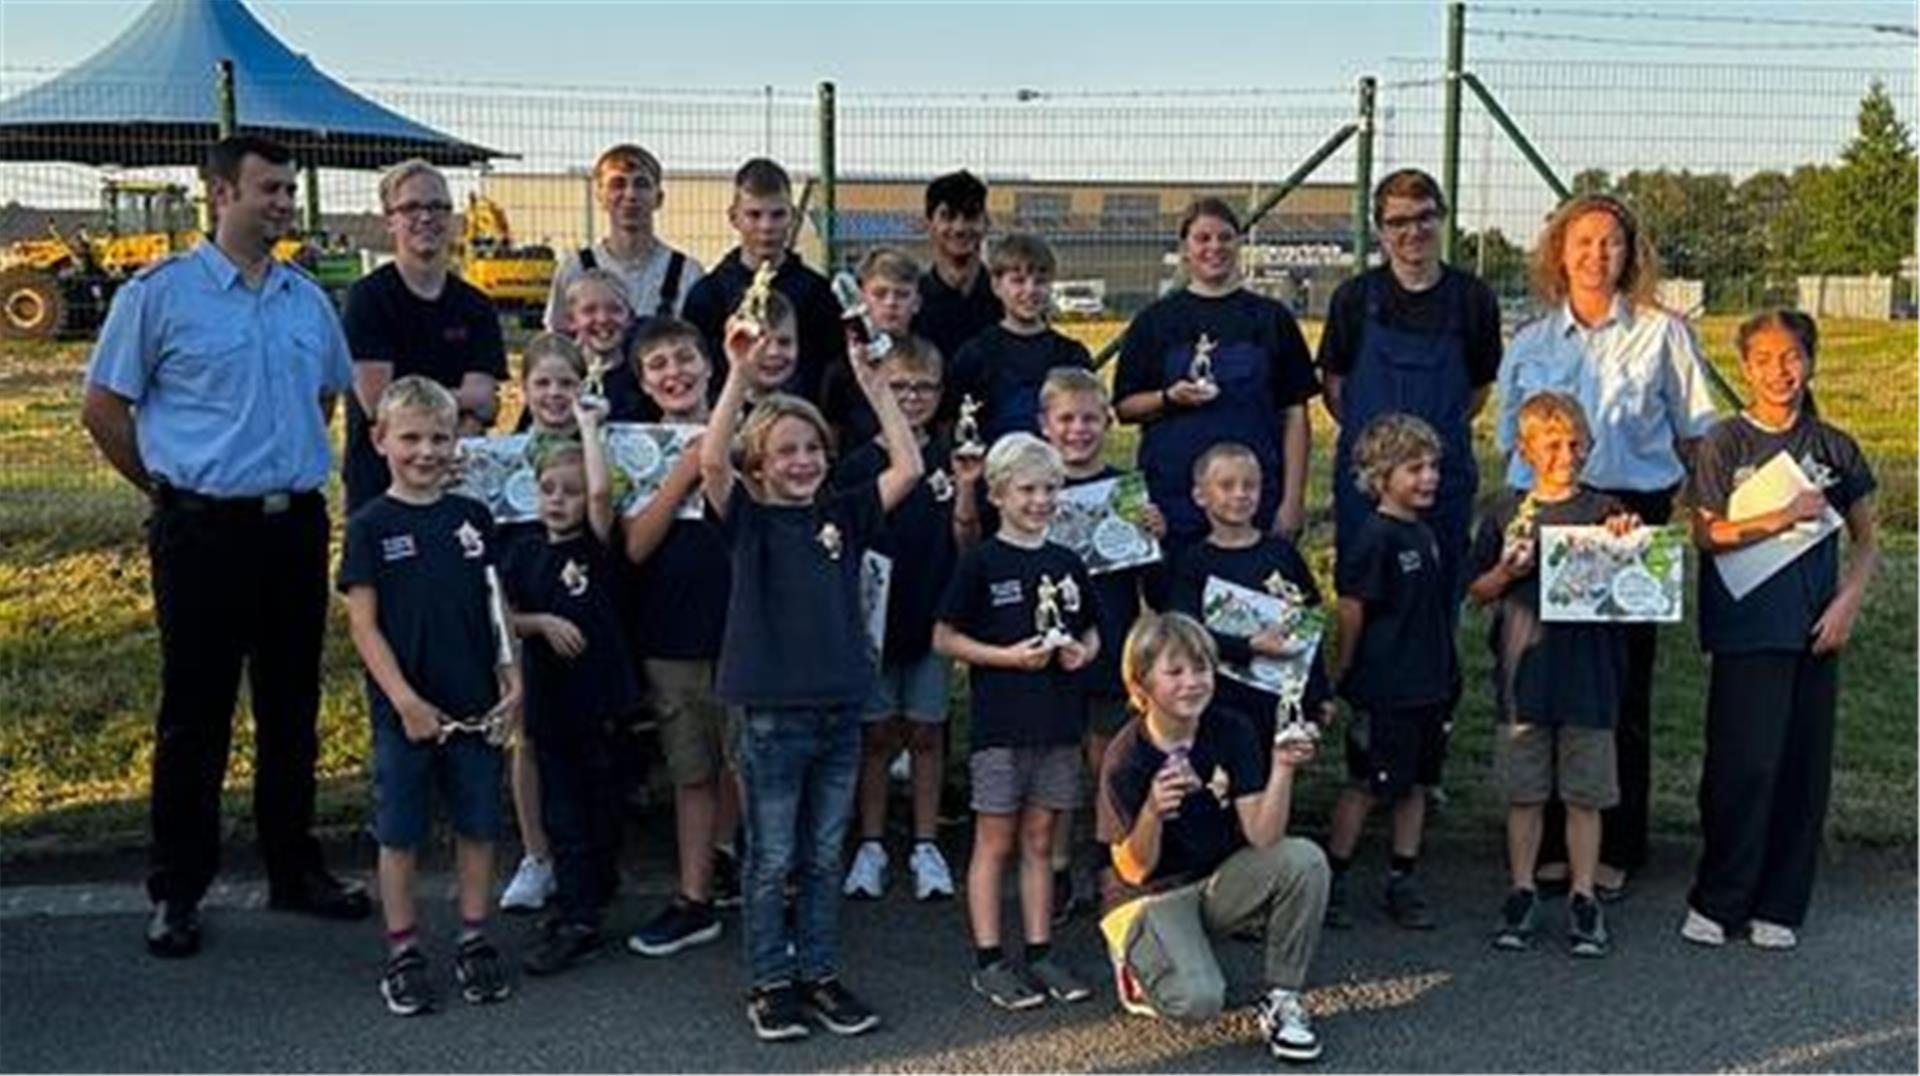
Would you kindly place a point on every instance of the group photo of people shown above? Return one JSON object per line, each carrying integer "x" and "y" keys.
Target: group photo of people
{"x": 877, "y": 539}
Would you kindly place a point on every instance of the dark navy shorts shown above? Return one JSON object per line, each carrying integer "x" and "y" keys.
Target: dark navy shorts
{"x": 1391, "y": 751}
{"x": 466, "y": 768}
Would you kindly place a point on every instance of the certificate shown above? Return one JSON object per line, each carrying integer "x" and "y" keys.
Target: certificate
{"x": 1231, "y": 609}
{"x": 1590, "y": 575}
{"x": 499, "y": 471}
{"x": 1767, "y": 489}
{"x": 1103, "y": 523}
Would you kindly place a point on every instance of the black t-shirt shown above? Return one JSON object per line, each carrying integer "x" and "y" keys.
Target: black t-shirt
{"x": 823, "y": 343}
{"x": 1405, "y": 657}
{"x": 1119, "y": 594}
{"x": 1251, "y": 568}
{"x": 1003, "y": 371}
{"x": 918, "y": 537}
{"x": 427, "y": 566}
{"x": 1548, "y": 674}
{"x": 950, "y": 317}
{"x": 795, "y": 635}
{"x": 993, "y": 599}
{"x": 578, "y": 581}
{"x": 1229, "y": 760}
{"x": 678, "y": 604}
{"x": 1780, "y": 613}
{"x": 1458, "y": 298}
{"x": 445, "y": 339}
{"x": 1262, "y": 366}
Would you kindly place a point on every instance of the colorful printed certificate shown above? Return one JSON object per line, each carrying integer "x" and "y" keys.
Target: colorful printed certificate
{"x": 1587, "y": 575}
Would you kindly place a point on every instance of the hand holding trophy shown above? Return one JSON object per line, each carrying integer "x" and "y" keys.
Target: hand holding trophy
{"x": 966, "y": 431}
{"x": 1048, "y": 621}
{"x": 746, "y": 329}
{"x": 1200, "y": 370}
{"x": 857, "y": 321}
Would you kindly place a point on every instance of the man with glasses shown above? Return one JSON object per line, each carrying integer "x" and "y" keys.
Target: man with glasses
{"x": 627, "y": 182}
{"x": 413, "y": 316}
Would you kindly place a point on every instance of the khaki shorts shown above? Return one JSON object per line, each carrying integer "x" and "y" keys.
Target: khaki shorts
{"x": 1531, "y": 763}
{"x": 692, "y": 721}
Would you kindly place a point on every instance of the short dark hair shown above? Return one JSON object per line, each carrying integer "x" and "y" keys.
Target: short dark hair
{"x": 762, "y": 178}
{"x": 961, "y": 192}
{"x": 223, "y": 157}
{"x": 1217, "y": 208}
{"x": 1410, "y": 183}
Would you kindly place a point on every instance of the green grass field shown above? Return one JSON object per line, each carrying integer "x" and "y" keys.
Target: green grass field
{"x": 79, "y": 652}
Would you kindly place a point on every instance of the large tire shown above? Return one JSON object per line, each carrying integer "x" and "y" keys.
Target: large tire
{"x": 32, "y": 304}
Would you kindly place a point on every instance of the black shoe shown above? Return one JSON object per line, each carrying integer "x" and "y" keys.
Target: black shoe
{"x": 405, "y": 985}
{"x": 318, "y": 893}
{"x": 1519, "y": 921}
{"x": 174, "y": 930}
{"x": 481, "y": 973}
{"x": 1407, "y": 903}
{"x": 726, "y": 880}
{"x": 1587, "y": 934}
{"x": 774, "y": 1012}
{"x": 562, "y": 947}
{"x": 837, "y": 1009}
{"x": 680, "y": 925}
{"x": 1339, "y": 916}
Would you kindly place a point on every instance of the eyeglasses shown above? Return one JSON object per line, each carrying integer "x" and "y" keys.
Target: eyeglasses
{"x": 913, "y": 388}
{"x": 421, "y": 209}
{"x": 1426, "y": 217}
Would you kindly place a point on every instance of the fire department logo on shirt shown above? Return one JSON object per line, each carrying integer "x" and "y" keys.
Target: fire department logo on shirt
{"x": 574, "y": 577}
{"x": 1069, "y": 595}
{"x": 941, "y": 486}
{"x": 472, "y": 546}
{"x": 1220, "y": 784}
{"x": 1818, "y": 473}
{"x": 829, "y": 539}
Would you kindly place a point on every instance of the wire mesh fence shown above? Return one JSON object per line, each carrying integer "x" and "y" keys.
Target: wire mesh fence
{"x": 1733, "y": 165}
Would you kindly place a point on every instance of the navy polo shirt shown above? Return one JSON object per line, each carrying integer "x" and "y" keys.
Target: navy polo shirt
{"x": 1405, "y": 657}
{"x": 576, "y": 580}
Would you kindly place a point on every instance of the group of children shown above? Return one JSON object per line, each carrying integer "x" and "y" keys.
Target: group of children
{"x": 778, "y": 714}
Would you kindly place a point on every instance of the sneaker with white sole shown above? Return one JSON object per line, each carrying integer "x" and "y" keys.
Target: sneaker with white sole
{"x": 1131, "y": 994}
{"x": 1764, "y": 935}
{"x": 405, "y": 985}
{"x": 1587, "y": 934}
{"x": 532, "y": 884}
{"x": 867, "y": 878}
{"x": 1008, "y": 985}
{"x": 1289, "y": 1030}
{"x": 932, "y": 878}
{"x": 1060, "y": 982}
{"x": 1700, "y": 930}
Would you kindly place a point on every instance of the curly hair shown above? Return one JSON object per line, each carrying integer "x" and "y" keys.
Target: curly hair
{"x": 1547, "y": 268}
{"x": 1389, "y": 441}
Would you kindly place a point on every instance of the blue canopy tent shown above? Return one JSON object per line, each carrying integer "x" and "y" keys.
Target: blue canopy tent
{"x": 148, "y": 98}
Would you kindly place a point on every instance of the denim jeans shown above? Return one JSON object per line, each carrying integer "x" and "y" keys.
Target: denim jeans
{"x": 798, "y": 767}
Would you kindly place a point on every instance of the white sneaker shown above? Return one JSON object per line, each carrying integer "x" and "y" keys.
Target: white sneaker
{"x": 901, "y": 768}
{"x": 932, "y": 878}
{"x": 1700, "y": 930}
{"x": 1289, "y": 1030}
{"x": 530, "y": 887}
{"x": 1765, "y": 935}
{"x": 867, "y": 878}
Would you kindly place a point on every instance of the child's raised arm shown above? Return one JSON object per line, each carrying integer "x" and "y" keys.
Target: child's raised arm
{"x": 593, "y": 454}
{"x": 717, "y": 477}
{"x": 904, "y": 465}
{"x": 648, "y": 527}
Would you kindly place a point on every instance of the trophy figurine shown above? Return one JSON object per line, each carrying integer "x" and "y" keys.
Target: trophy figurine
{"x": 753, "y": 305}
{"x": 857, "y": 320}
{"x": 966, "y": 431}
{"x": 1200, "y": 370}
{"x": 593, "y": 387}
{"x": 1047, "y": 618}
{"x": 1517, "y": 540}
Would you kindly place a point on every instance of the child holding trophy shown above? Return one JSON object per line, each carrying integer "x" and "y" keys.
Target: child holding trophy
{"x": 1022, "y": 612}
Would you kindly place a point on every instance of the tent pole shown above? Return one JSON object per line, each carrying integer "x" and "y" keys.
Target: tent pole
{"x": 313, "y": 200}
{"x": 226, "y": 110}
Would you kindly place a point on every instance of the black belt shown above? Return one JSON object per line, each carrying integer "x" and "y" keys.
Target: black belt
{"x": 269, "y": 504}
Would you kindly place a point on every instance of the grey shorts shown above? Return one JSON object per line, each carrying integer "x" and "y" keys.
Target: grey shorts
{"x": 916, "y": 690}
{"x": 1006, "y": 779}
{"x": 692, "y": 721}
{"x": 1533, "y": 763}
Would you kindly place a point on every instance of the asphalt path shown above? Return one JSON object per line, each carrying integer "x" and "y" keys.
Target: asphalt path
{"x": 279, "y": 992}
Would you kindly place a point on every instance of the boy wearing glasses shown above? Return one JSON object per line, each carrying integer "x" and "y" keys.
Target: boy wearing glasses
{"x": 413, "y": 316}
{"x": 628, "y": 184}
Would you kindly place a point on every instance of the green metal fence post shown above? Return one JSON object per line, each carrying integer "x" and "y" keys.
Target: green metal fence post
{"x": 1363, "y": 179}
{"x": 829, "y": 201}
{"x": 1518, "y": 137}
{"x": 1450, "y": 132}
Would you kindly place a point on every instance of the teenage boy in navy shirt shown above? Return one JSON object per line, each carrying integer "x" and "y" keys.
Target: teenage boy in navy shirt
{"x": 1022, "y": 613}
{"x": 956, "y": 296}
{"x": 1394, "y": 661}
{"x": 415, "y": 569}
{"x": 1004, "y": 365}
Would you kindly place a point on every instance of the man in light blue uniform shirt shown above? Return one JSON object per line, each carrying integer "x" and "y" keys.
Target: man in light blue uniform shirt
{"x": 210, "y": 390}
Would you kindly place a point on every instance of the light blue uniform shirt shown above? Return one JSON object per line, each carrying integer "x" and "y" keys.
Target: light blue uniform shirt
{"x": 1638, "y": 375}
{"x": 225, "y": 381}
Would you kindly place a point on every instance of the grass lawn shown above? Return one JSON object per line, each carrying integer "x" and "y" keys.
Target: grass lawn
{"x": 79, "y": 652}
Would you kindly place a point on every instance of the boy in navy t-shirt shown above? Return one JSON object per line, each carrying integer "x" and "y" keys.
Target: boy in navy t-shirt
{"x": 907, "y": 709}
{"x": 795, "y": 659}
{"x": 424, "y": 612}
{"x": 956, "y": 291}
{"x": 1022, "y": 613}
{"x": 1394, "y": 662}
{"x": 890, "y": 294}
{"x": 579, "y": 684}
{"x": 1003, "y": 367}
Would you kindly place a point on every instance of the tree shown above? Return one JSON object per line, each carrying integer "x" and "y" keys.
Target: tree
{"x": 1862, "y": 211}
{"x": 1504, "y": 266}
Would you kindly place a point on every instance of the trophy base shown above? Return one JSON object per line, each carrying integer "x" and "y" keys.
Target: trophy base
{"x": 972, "y": 450}
{"x": 1296, "y": 732}
{"x": 1054, "y": 639}
{"x": 1209, "y": 390}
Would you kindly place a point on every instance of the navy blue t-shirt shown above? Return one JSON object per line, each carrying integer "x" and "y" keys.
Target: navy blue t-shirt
{"x": 1405, "y": 657}
{"x": 795, "y": 635}
{"x": 1227, "y": 757}
{"x": 1251, "y": 568}
{"x": 677, "y": 607}
{"x": 1003, "y": 371}
{"x": 950, "y": 317}
{"x": 823, "y": 343}
{"x": 992, "y": 599}
{"x": 1119, "y": 594}
{"x": 1262, "y": 366}
{"x": 578, "y": 581}
{"x": 918, "y": 536}
{"x": 427, "y": 566}
{"x": 1780, "y": 613}
{"x": 1548, "y": 674}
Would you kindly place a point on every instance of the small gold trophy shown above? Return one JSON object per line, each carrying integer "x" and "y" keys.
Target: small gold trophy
{"x": 1048, "y": 621}
{"x": 966, "y": 431}
{"x": 593, "y": 387}
{"x": 753, "y": 305}
{"x": 1200, "y": 370}
{"x": 1518, "y": 538}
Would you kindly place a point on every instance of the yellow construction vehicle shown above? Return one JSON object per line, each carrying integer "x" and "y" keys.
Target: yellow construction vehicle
{"x": 516, "y": 278}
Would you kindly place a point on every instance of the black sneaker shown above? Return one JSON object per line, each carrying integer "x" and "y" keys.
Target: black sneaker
{"x": 774, "y": 1012}
{"x": 481, "y": 973}
{"x": 1339, "y": 916}
{"x": 1587, "y": 927}
{"x": 562, "y": 946}
{"x": 405, "y": 984}
{"x": 1519, "y": 920}
{"x": 726, "y": 880}
{"x": 1407, "y": 903}
{"x": 1069, "y": 900}
{"x": 174, "y": 930}
{"x": 680, "y": 925}
{"x": 837, "y": 1009}
{"x": 320, "y": 894}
